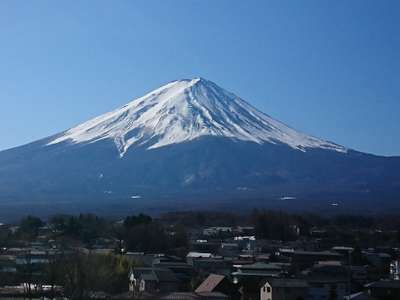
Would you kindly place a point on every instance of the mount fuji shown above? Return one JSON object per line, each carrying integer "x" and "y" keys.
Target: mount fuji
{"x": 191, "y": 144}
{"x": 183, "y": 111}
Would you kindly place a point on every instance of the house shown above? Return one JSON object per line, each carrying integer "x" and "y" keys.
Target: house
{"x": 30, "y": 291}
{"x": 194, "y": 255}
{"x": 33, "y": 257}
{"x": 214, "y": 231}
{"x": 218, "y": 283}
{"x": 229, "y": 250}
{"x": 153, "y": 280}
{"x": 211, "y": 264}
{"x": 180, "y": 296}
{"x": 284, "y": 289}
{"x": 205, "y": 246}
{"x": 195, "y": 296}
{"x": 304, "y": 259}
{"x": 360, "y": 296}
{"x": 183, "y": 271}
{"x": 245, "y": 230}
{"x": 260, "y": 269}
{"x": 140, "y": 258}
{"x": 327, "y": 280}
{"x": 8, "y": 264}
{"x": 395, "y": 269}
{"x": 243, "y": 259}
{"x": 326, "y": 288}
{"x": 381, "y": 261}
{"x": 359, "y": 274}
{"x": 212, "y": 296}
{"x": 343, "y": 250}
{"x": 249, "y": 277}
{"x": 247, "y": 243}
{"x": 384, "y": 289}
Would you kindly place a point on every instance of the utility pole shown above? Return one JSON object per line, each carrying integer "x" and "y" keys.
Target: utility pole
{"x": 349, "y": 273}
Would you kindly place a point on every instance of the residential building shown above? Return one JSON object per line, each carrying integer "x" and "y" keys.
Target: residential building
{"x": 284, "y": 289}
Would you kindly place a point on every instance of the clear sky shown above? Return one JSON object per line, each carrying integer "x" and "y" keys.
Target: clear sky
{"x": 328, "y": 68}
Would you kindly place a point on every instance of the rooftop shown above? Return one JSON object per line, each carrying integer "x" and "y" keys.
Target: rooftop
{"x": 298, "y": 283}
{"x": 393, "y": 284}
{"x": 210, "y": 283}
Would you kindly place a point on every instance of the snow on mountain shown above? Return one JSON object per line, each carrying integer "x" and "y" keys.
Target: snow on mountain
{"x": 185, "y": 110}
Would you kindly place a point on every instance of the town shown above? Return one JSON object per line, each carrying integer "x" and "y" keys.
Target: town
{"x": 267, "y": 255}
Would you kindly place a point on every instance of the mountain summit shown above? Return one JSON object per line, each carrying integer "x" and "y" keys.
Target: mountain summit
{"x": 191, "y": 144}
{"x": 182, "y": 111}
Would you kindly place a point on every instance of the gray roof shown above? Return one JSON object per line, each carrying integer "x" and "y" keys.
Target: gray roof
{"x": 155, "y": 274}
{"x": 212, "y": 295}
{"x": 255, "y": 274}
{"x": 393, "y": 284}
{"x": 288, "y": 282}
{"x": 324, "y": 253}
{"x": 165, "y": 275}
{"x": 262, "y": 266}
{"x": 360, "y": 296}
{"x": 181, "y": 296}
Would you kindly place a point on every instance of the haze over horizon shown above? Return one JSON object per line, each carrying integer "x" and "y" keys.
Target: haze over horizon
{"x": 327, "y": 69}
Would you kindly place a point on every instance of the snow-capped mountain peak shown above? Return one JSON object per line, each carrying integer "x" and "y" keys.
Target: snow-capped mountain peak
{"x": 182, "y": 111}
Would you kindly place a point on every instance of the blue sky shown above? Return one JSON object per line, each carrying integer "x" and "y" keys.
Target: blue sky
{"x": 328, "y": 68}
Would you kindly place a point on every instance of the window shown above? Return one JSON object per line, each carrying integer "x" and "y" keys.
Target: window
{"x": 268, "y": 289}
